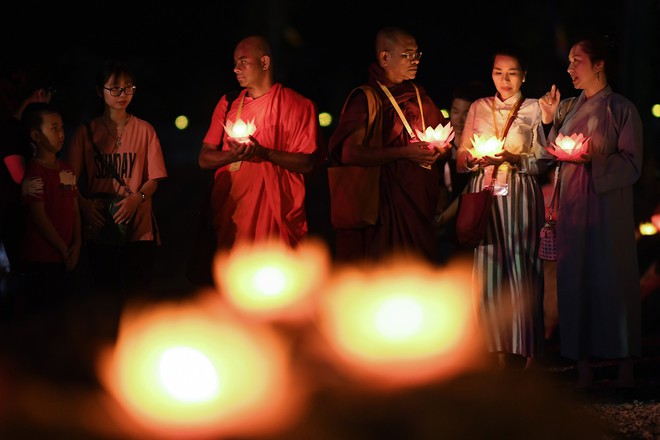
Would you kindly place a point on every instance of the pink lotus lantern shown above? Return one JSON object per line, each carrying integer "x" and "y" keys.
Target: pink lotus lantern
{"x": 486, "y": 147}
{"x": 439, "y": 137}
{"x": 240, "y": 130}
{"x": 569, "y": 147}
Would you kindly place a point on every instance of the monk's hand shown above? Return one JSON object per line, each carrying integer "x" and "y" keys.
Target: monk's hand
{"x": 422, "y": 153}
{"x": 240, "y": 150}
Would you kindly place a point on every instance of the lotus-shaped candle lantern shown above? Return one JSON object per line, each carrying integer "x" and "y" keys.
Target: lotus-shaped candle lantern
{"x": 439, "y": 137}
{"x": 487, "y": 147}
{"x": 569, "y": 147}
{"x": 240, "y": 130}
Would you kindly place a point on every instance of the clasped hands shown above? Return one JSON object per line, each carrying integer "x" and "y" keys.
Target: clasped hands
{"x": 497, "y": 159}
{"x": 425, "y": 153}
{"x": 245, "y": 150}
{"x": 92, "y": 210}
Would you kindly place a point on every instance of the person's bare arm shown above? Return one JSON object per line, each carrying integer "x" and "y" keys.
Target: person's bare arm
{"x": 355, "y": 152}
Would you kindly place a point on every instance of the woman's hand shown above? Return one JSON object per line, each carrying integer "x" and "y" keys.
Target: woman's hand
{"x": 126, "y": 208}
{"x": 549, "y": 103}
{"x": 501, "y": 157}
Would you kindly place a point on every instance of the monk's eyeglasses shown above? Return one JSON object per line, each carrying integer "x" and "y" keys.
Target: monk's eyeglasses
{"x": 412, "y": 56}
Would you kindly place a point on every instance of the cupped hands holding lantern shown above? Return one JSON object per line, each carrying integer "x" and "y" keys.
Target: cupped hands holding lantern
{"x": 500, "y": 158}
{"x": 241, "y": 149}
{"x": 422, "y": 152}
{"x": 496, "y": 159}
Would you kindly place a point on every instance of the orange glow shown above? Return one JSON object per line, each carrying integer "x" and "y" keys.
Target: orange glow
{"x": 272, "y": 281}
{"x": 400, "y": 324}
{"x": 486, "y": 147}
{"x": 195, "y": 371}
{"x": 655, "y": 220}
{"x": 240, "y": 130}
{"x": 439, "y": 137}
{"x": 569, "y": 147}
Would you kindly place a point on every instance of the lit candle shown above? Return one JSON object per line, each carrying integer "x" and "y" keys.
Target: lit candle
{"x": 271, "y": 280}
{"x": 400, "y": 324}
{"x": 486, "y": 146}
{"x": 194, "y": 370}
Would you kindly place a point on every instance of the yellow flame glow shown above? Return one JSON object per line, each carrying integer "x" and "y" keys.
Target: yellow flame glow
{"x": 193, "y": 369}
{"x": 272, "y": 280}
{"x": 399, "y": 324}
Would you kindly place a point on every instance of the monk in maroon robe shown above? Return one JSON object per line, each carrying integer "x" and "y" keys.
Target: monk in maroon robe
{"x": 410, "y": 178}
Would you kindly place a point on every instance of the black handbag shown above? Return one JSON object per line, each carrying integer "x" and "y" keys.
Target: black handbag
{"x": 110, "y": 233}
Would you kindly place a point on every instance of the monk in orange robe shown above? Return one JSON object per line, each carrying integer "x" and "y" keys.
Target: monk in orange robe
{"x": 259, "y": 188}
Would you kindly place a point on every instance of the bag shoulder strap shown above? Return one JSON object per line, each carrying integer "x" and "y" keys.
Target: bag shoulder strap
{"x": 552, "y": 205}
{"x": 512, "y": 116}
{"x": 231, "y": 97}
{"x": 375, "y": 117}
{"x": 106, "y": 164}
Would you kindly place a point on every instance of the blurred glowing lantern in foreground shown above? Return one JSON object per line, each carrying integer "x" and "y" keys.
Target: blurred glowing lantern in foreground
{"x": 439, "y": 137}
{"x": 486, "y": 147}
{"x": 400, "y": 324}
{"x": 195, "y": 371}
{"x": 240, "y": 130}
{"x": 271, "y": 280}
{"x": 569, "y": 147}
{"x": 647, "y": 228}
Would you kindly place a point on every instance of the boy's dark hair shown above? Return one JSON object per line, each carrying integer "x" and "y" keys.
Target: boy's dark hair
{"x": 33, "y": 115}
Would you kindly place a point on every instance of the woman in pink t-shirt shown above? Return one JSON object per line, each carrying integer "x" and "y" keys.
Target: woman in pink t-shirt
{"x": 118, "y": 146}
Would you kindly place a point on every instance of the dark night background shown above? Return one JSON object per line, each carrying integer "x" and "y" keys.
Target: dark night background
{"x": 182, "y": 55}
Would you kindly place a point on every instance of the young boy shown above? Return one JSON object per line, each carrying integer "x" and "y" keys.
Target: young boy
{"x": 52, "y": 239}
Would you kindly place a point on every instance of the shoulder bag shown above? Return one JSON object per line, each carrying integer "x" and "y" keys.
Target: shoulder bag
{"x": 355, "y": 190}
{"x": 110, "y": 233}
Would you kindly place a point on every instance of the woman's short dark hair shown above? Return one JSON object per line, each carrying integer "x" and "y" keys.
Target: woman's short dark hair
{"x": 114, "y": 68}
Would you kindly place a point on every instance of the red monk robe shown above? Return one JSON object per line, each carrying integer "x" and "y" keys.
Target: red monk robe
{"x": 261, "y": 200}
